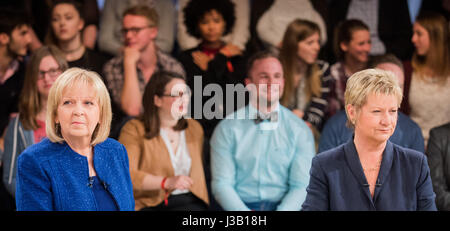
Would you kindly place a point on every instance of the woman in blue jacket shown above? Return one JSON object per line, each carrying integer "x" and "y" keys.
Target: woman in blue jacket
{"x": 77, "y": 167}
{"x": 369, "y": 172}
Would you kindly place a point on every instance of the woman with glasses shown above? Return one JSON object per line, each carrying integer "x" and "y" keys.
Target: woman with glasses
{"x": 67, "y": 23}
{"x": 165, "y": 149}
{"x": 28, "y": 128}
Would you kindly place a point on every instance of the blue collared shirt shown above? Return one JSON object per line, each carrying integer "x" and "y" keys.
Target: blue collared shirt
{"x": 407, "y": 133}
{"x": 269, "y": 161}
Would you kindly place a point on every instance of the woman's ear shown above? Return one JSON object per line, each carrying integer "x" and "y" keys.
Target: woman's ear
{"x": 81, "y": 25}
{"x": 4, "y": 39}
{"x": 351, "y": 112}
{"x": 343, "y": 46}
{"x": 157, "y": 100}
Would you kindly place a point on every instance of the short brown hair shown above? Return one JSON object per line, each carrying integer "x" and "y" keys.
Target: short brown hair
{"x": 258, "y": 56}
{"x": 144, "y": 11}
{"x": 386, "y": 58}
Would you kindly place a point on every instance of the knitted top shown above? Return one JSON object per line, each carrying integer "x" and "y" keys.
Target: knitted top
{"x": 429, "y": 103}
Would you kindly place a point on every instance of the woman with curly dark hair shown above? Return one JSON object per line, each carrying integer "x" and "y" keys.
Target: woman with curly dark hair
{"x": 214, "y": 60}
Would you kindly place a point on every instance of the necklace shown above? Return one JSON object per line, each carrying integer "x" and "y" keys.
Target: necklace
{"x": 373, "y": 168}
{"x": 73, "y": 50}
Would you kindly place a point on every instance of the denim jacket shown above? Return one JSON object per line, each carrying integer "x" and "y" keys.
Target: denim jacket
{"x": 17, "y": 139}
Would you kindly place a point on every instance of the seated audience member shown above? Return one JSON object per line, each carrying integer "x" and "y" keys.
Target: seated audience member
{"x": 110, "y": 35}
{"x": 127, "y": 74}
{"x": 41, "y": 15}
{"x": 28, "y": 127}
{"x": 165, "y": 150}
{"x": 388, "y": 22}
{"x": 369, "y": 173}
{"x": 77, "y": 168}
{"x": 273, "y": 23}
{"x": 214, "y": 60}
{"x": 427, "y": 77}
{"x": 351, "y": 46}
{"x": 407, "y": 133}
{"x": 261, "y": 154}
{"x": 14, "y": 40}
{"x": 238, "y": 35}
{"x": 438, "y": 152}
{"x": 67, "y": 23}
{"x": 307, "y": 79}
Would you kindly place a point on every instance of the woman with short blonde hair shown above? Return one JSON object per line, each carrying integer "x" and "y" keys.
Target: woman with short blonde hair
{"x": 72, "y": 77}
{"x": 77, "y": 161}
{"x": 370, "y": 173}
{"x": 368, "y": 82}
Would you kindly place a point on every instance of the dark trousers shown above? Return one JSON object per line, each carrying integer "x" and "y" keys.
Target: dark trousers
{"x": 7, "y": 202}
{"x": 180, "y": 202}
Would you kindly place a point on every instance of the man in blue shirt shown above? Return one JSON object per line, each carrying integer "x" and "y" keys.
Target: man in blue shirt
{"x": 407, "y": 133}
{"x": 261, "y": 154}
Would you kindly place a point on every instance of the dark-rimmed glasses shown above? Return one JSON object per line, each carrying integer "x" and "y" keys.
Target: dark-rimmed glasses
{"x": 53, "y": 73}
{"x": 133, "y": 30}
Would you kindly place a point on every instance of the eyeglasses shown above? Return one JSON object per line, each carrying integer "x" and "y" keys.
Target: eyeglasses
{"x": 53, "y": 73}
{"x": 134, "y": 30}
{"x": 179, "y": 95}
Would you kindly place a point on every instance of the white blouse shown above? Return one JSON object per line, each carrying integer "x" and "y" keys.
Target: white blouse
{"x": 181, "y": 160}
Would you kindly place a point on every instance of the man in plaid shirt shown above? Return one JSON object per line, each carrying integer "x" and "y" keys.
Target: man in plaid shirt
{"x": 127, "y": 74}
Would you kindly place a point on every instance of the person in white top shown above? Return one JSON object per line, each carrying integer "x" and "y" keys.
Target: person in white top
{"x": 272, "y": 25}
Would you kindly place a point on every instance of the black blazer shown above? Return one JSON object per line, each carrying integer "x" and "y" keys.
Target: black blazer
{"x": 438, "y": 153}
{"x": 338, "y": 182}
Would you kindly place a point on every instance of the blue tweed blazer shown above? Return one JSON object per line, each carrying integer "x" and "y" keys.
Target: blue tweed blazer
{"x": 51, "y": 176}
{"x": 338, "y": 182}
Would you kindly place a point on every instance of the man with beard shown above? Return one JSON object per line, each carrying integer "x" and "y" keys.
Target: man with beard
{"x": 261, "y": 154}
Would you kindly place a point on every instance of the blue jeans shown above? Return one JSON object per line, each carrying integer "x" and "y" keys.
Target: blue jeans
{"x": 263, "y": 205}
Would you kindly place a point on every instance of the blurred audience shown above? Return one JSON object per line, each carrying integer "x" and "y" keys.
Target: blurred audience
{"x": 427, "y": 84}
{"x": 110, "y": 38}
{"x": 352, "y": 45}
{"x": 165, "y": 149}
{"x": 238, "y": 35}
{"x": 261, "y": 154}
{"x": 388, "y": 21}
{"x": 438, "y": 153}
{"x": 127, "y": 74}
{"x": 66, "y": 32}
{"x": 307, "y": 78}
{"x": 28, "y": 127}
{"x": 273, "y": 23}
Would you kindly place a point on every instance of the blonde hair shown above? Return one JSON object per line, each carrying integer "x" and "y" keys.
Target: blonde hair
{"x": 370, "y": 81}
{"x": 68, "y": 79}
{"x": 297, "y": 31}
